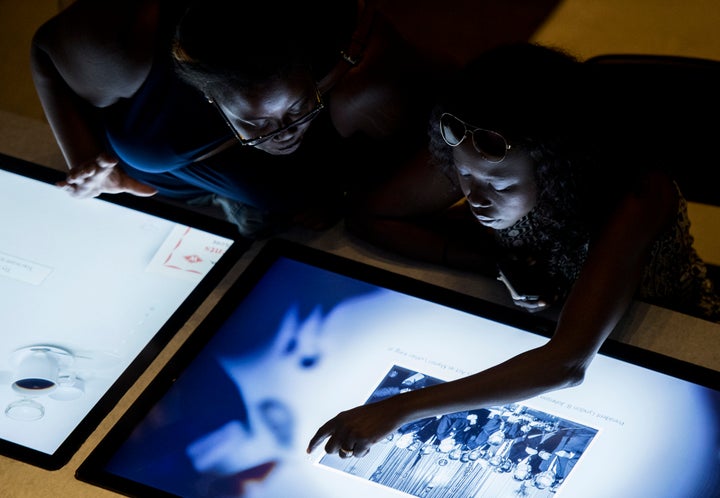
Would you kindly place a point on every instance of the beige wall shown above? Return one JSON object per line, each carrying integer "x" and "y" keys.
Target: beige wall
{"x": 591, "y": 27}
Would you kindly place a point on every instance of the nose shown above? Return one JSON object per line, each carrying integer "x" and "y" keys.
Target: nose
{"x": 479, "y": 203}
{"x": 477, "y": 198}
{"x": 288, "y": 131}
{"x": 285, "y": 134}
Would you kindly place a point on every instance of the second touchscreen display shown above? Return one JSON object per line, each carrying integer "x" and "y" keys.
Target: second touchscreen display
{"x": 307, "y": 343}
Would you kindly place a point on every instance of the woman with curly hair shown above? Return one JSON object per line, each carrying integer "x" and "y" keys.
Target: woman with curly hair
{"x": 593, "y": 218}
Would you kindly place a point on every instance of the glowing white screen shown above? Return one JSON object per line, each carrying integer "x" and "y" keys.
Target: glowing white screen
{"x": 84, "y": 286}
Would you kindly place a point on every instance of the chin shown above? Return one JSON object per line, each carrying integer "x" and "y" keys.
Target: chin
{"x": 277, "y": 152}
{"x": 496, "y": 224}
{"x": 280, "y": 150}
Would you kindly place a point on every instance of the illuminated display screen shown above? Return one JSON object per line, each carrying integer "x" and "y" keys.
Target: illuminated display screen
{"x": 303, "y": 335}
{"x": 88, "y": 288}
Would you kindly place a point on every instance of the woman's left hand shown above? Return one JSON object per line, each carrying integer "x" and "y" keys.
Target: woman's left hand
{"x": 353, "y": 432}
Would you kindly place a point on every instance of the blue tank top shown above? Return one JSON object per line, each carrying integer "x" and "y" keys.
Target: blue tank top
{"x": 165, "y": 125}
{"x": 161, "y": 131}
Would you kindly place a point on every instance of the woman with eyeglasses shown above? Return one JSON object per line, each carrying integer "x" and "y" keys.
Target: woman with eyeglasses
{"x": 258, "y": 107}
{"x": 588, "y": 210}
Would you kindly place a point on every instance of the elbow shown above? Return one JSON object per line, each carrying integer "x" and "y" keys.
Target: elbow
{"x": 573, "y": 375}
{"x": 567, "y": 373}
{"x": 567, "y": 363}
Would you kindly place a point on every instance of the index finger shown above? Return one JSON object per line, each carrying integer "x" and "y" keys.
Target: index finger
{"x": 322, "y": 433}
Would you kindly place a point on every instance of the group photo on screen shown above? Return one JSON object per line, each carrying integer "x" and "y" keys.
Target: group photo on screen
{"x": 509, "y": 450}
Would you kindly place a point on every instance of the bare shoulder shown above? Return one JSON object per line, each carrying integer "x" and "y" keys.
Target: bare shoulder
{"x": 102, "y": 50}
{"x": 650, "y": 207}
{"x": 378, "y": 95}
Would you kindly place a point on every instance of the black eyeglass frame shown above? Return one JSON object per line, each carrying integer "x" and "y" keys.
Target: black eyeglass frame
{"x": 252, "y": 142}
{"x": 471, "y": 129}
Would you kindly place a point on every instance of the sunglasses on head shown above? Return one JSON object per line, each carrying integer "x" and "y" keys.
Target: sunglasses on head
{"x": 490, "y": 144}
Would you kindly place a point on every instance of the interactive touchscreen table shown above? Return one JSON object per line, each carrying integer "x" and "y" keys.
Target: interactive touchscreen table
{"x": 90, "y": 291}
{"x": 304, "y": 334}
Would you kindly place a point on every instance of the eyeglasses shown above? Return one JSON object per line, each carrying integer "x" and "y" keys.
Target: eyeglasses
{"x": 490, "y": 144}
{"x": 251, "y": 142}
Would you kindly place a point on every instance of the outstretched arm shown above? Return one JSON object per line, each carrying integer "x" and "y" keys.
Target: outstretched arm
{"x": 596, "y": 303}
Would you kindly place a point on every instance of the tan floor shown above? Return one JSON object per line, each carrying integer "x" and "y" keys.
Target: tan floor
{"x": 584, "y": 27}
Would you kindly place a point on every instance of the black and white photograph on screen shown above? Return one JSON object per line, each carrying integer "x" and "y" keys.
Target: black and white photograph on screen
{"x": 509, "y": 450}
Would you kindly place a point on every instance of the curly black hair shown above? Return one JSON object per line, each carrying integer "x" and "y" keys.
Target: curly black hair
{"x": 522, "y": 91}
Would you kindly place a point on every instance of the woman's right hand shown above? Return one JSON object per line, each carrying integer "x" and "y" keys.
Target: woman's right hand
{"x": 102, "y": 176}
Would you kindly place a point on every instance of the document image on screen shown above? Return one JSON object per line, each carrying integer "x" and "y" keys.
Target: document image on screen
{"x": 85, "y": 286}
{"x": 510, "y": 450}
{"x": 233, "y": 412}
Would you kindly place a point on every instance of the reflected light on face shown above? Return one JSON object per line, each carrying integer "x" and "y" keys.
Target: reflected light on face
{"x": 499, "y": 194}
{"x": 288, "y": 105}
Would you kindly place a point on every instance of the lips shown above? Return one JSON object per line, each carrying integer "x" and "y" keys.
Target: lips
{"x": 292, "y": 146}
{"x": 484, "y": 219}
{"x": 282, "y": 149}
{"x": 481, "y": 217}
{"x": 487, "y": 221}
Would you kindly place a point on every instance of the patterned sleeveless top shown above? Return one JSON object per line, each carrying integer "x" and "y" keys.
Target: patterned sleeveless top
{"x": 674, "y": 277}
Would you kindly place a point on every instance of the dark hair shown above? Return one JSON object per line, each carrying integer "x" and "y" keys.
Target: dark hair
{"x": 522, "y": 90}
{"x": 234, "y": 43}
{"x": 525, "y": 92}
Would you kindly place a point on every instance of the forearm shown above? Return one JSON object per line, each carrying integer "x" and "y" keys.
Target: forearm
{"x": 595, "y": 305}
{"x": 526, "y": 375}
{"x": 523, "y": 376}
{"x": 559, "y": 364}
